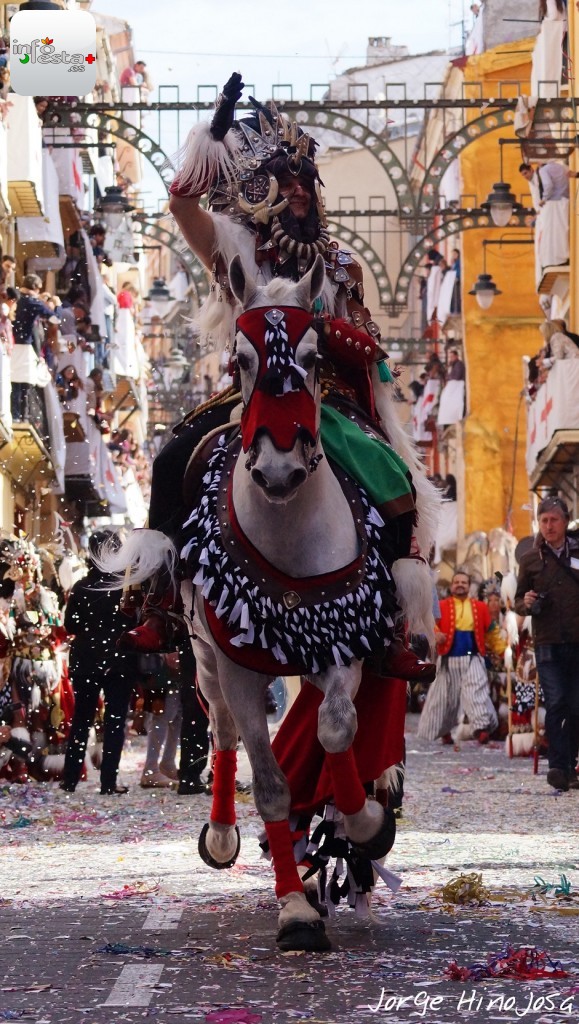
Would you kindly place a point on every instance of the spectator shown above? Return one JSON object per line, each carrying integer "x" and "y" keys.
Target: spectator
{"x": 94, "y": 400}
{"x": 456, "y": 302}
{"x": 68, "y": 384}
{"x": 42, "y": 104}
{"x": 93, "y": 618}
{"x": 417, "y": 387}
{"x": 548, "y": 591}
{"x": 163, "y": 725}
{"x": 449, "y": 492}
{"x": 549, "y": 182}
{"x": 562, "y": 326}
{"x": 137, "y": 77}
{"x": 28, "y": 330}
{"x": 8, "y": 270}
{"x": 559, "y": 344}
{"x": 461, "y": 686}
{"x": 552, "y": 10}
{"x": 7, "y": 305}
{"x": 194, "y": 727}
{"x": 97, "y": 234}
{"x": 102, "y": 349}
{"x": 456, "y": 369}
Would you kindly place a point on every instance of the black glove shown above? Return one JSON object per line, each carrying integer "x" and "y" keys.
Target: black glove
{"x": 223, "y": 117}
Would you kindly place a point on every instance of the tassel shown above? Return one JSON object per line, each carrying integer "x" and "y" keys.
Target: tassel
{"x": 384, "y": 372}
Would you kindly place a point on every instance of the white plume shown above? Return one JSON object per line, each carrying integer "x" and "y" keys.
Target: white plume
{"x": 202, "y": 159}
{"x": 428, "y": 500}
{"x": 413, "y": 580}
{"x": 142, "y": 555}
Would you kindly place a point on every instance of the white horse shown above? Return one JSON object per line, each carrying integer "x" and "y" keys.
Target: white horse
{"x": 292, "y": 510}
{"x": 284, "y": 567}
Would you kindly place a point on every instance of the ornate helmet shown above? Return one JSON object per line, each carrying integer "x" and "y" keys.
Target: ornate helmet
{"x": 267, "y": 145}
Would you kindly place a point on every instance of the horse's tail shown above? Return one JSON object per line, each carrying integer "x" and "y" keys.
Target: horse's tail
{"x": 144, "y": 553}
{"x": 428, "y": 499}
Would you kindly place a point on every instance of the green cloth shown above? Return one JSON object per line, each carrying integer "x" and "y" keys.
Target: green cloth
{"x": 370, "y": 461}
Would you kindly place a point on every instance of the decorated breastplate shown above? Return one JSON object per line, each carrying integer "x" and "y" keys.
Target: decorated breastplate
{"x": 311, "y": 622}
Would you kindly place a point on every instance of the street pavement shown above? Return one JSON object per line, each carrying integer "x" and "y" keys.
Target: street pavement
{"x": 107, "y": 913}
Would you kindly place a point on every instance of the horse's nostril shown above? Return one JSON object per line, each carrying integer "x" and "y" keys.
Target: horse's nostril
{"x": 258, "y": 478}
{"x": 297, "y": 478}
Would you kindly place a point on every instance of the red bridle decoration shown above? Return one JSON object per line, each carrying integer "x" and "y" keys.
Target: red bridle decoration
{"x": 280, "y": 403}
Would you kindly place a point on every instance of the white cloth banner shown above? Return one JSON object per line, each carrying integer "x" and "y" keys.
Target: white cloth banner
{"x": 24, "y": 365}
{"x": 46, "y": 229}
{"x": 56, "y": 431}
{"x": 5, "y": 388}
{"x": 551, "y": 236}
{"x": 68, "y": 163}
{"x": 433, "y": 283}
{"x": 445, "y": 295}
{"x": 548, "y": 60}
{"x": 451, "y": 408}
{"x": 447, "y": 533}
{"x": 425, "y": 408}
{"x": 125, "y": 349}
{"x": 105, "y": 477}
{"x": 97, "y": 301}
{"x": 555, "y": 408}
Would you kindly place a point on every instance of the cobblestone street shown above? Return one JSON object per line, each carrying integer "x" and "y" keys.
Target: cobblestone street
{"x": 82, "y": 873}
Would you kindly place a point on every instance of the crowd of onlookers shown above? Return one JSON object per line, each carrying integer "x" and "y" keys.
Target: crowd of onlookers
{"x": 51, "y": 339}
{"x": 68, "y": 697}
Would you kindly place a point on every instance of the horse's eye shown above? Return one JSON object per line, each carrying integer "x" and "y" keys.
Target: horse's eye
{"x": 309, "y": 361}
{"x": 242, "y": 361}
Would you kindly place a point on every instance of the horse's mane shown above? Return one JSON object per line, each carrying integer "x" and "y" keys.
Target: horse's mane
{"x": 278, "y": 290}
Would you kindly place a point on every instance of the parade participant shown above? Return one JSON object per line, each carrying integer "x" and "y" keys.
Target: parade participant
{"x": 163, "y": 715}
{"x": 265, "y": 205}
{"x": 38, "y": 674}
{"x": 93, "y": 619}
{"x": 461, "y": 685}
{"x": 548, "y": 590}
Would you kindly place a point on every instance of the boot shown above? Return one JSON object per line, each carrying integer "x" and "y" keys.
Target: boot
{"x": 161, "y": 623}
{"x": 402, "y": 663}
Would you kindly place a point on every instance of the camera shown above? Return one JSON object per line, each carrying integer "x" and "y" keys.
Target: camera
{"x": 538, "y": 604}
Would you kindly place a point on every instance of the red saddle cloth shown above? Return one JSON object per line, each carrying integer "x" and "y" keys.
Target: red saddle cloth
{"x": 379, "y": 742}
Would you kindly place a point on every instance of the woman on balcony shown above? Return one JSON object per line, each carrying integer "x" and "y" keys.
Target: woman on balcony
{"x": 558, "y": 344}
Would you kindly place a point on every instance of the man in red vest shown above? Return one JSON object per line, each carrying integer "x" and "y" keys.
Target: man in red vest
{"x": 461, "y": 687}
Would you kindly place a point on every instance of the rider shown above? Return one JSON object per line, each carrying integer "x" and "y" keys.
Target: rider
{"x": 265, "y": 205}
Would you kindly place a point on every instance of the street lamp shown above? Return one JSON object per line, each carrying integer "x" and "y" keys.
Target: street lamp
{"x": 501, "y": 204}
{"x": 159, "y": 295}
{"x": 484, "y": 290}
{"x": 112, "y": 207}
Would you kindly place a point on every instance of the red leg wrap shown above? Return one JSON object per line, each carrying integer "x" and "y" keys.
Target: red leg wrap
{"x": 349, "y": 793}
{"x": 223, "y": 805}
{"x": 287, "y": 878}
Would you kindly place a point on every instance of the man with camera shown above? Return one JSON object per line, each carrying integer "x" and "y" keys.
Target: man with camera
{"x": 548, "y": 590}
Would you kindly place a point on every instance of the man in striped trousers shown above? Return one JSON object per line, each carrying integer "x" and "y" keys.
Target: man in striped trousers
{"x": 461, "y": 688}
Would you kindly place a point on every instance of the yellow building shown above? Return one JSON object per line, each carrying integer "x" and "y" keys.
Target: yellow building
{"x": 496, "y": 490}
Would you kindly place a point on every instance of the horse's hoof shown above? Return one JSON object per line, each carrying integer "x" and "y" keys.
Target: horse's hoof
{"x": 314, "y": 900}
{"x": 381, "y": 843}
{"x": 206, "y": 856}
{"x": 304, "y": 936}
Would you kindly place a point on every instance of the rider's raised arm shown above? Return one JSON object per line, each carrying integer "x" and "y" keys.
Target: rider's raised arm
{"x": 196, "y": 226}
{"x": 208, "y": 155}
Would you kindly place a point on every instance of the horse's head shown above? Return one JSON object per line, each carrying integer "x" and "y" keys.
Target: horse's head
{"x": 276, "y": 352}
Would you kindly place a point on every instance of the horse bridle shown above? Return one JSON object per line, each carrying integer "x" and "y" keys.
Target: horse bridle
{"x": 280, "y": 383}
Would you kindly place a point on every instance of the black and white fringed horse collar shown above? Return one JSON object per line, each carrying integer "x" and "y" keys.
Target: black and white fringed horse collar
{"x": 310, "y": 623}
